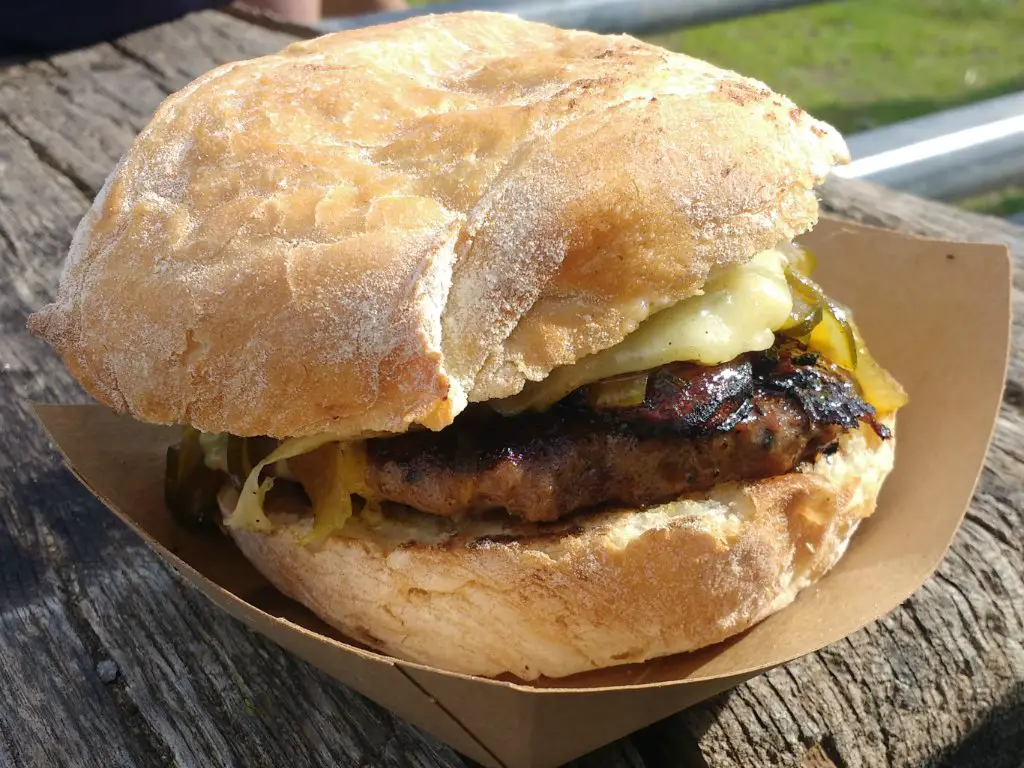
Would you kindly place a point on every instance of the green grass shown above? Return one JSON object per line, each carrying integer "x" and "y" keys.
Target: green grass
{"x": 1001, "y": 203}
{"x": 860, "y": 64}
{"x": 863, "y": 63}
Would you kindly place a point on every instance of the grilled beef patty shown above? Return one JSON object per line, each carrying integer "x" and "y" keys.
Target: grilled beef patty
{"x": 759, "y": 415}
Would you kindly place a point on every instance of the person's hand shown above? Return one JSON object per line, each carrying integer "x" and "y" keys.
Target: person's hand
{"x": 351, "y": 7}
{"x": 309, "y": 11}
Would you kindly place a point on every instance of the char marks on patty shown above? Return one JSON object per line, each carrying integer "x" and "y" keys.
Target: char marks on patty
{"x": 759, "y": 415}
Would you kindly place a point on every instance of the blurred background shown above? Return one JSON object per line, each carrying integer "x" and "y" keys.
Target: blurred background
{"x": 865, "y": 64}
{"x": 929, "y": 93}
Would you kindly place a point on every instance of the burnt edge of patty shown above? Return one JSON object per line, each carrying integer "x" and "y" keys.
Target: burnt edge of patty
{"x": 688, "y": 399}
{"x": 759, "y": 415}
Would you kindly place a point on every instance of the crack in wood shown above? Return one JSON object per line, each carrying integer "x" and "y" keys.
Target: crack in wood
{"x": 159, "y": 77}
{"x": 732, "y": 747}
{"x": 47, "y": 159}
{"x": 840, "y": 691}
{"x": 735, "y": 701}
{"x": 894, "y": 638}
{"x": 1013, "y": 394}
{"x": 799, "y": 722}
{"x": 72, "y": 95}
{"x": 52, "y": 717}
{"x": 751, "y": 698}
{"x": 987, "y": 527}
{"x": 9, "y": 241}
{"x": 69, "y": 592}
{"x": 9, "y": 747}
{"x": 970, "y": 616}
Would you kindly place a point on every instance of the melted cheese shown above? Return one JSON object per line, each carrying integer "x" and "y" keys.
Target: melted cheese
{"x": 248, "y": 513}
{"x": 331, "y": 475}
{"x": 330, "y": 470}
{"x": 739, "y": 311}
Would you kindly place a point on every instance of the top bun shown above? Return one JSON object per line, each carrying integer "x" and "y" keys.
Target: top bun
{"x": 372, "y": 228}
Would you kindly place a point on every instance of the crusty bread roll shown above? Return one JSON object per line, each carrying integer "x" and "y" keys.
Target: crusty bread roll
{"x": 369, "y": 230}
{"x": 415, "y": 216}
{"x": 594, "y": 591}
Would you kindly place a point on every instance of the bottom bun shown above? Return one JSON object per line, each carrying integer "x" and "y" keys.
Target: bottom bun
{"x": 598, "y": 590}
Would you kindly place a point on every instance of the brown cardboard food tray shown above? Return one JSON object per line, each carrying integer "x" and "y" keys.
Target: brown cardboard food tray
{"x": 937, "y": 314}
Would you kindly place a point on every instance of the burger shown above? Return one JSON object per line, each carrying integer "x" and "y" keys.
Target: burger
{"x": 489, "y": 341}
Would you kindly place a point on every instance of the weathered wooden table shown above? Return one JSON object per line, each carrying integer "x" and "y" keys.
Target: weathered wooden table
{"x": 107, "y": 658}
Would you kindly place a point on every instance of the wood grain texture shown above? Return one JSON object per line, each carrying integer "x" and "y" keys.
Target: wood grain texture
{"x": 108, "y": 658}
